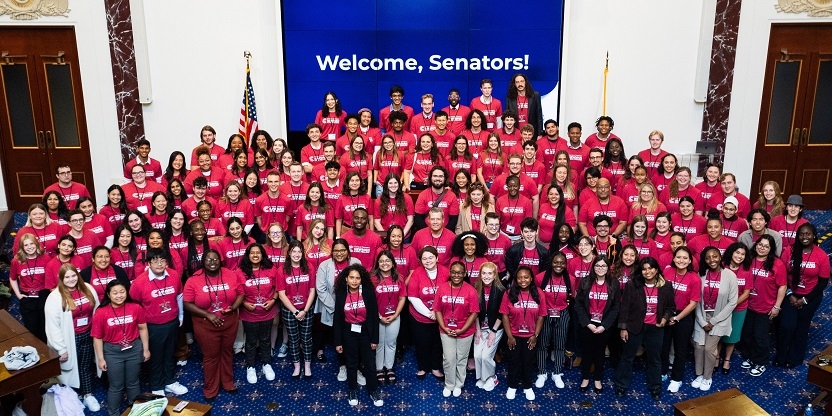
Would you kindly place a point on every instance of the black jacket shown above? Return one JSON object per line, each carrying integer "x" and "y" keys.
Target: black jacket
{"x": 634, "y": 306}
{"x": 611, "y": 310}
{"x": 515, "y": 253}
{"x": 493, "y": 312}
{"x": 370, "y": 325}
{"x": 535, "y": 115}
{"x": 121, "y": 275}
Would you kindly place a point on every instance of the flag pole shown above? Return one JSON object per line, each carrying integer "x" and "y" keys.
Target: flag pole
{"x": 247, "y": 55}
{"x": 606, "y": 70}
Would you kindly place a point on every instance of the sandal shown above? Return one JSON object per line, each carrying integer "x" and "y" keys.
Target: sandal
{"x": 380, "y": 376}
{"x": 391, "y": 377}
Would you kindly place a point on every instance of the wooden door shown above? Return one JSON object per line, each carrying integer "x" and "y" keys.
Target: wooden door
{"x": 794, "y": 140}
{"x": 45, "y": 123}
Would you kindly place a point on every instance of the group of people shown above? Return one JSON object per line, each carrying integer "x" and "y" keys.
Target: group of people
{"x": 465, "y": 233}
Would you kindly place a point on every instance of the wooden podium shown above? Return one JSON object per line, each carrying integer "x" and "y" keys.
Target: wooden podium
{"x": 821, "y": 376}
{"x": 728, "y": 402}
{"x": 27, "y": 381}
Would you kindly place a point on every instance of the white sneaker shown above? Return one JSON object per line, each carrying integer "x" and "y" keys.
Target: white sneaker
{"x": 268, "y": 372}
{"x": 377, "y": 400}
{"x": 490, "y": 383}
{"x": 510, "y": 393}
{"x": 158, "y": 393}
{"x": 182, "y": 363}
{"x": 176, "y": 388}
{"x": 674, "y": 386}
{"x": 480, "y": 383}
{"x": 457, "y": 392}
{"x": 251, "y": 375}
{"x": 92, "y": 403}
{"x": 284, "y": 351}
{"x": 342, "y": 373}
{"x": 353, "y": 398}
{"x": 558, "y": 379}
{"x": 361, "y": 380}
{"x": 446, "y": 392}
{"x": 239, "y": 349}
{"x": 746, "y": 364}
{"x": 697, "y": 382}
{"x": 529, "y": 394}
{"x": 541, "y": 380}
{"x": 706, "y": 384}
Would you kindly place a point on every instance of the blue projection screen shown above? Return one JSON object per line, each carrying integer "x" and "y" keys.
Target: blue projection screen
{"x": 359, "y": 48}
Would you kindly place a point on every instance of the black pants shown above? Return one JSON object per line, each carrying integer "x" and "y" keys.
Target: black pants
{"x": 161, "y": 343}
{"x": 794, "y": 332}
{"x": 755, "y": 337}
{"x": 616, "y": 347}
{"x": 521, "y": 365}
{"x": 651, "y": 337}
{"x": 31, "y": 309}
{"x": 258, "y": 342}
{"x": 357, "y": 352}
{"x": 679, "y": 335}
{"x": 593, "y": 346}
{"x": 428, "y": 346}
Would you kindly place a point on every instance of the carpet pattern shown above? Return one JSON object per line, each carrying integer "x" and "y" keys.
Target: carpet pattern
{"x": 779, "y": 391}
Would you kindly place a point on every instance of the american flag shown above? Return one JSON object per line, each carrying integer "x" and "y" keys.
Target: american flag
{"x": 248, "y": 111}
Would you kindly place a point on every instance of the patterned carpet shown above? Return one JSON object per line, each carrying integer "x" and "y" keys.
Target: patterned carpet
{"x": 779, "y": 391}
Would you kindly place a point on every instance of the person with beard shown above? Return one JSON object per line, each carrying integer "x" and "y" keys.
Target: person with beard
{"x": 525, "y": 102}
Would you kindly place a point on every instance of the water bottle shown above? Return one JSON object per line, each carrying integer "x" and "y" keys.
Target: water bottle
{"x": 808, "y": 410}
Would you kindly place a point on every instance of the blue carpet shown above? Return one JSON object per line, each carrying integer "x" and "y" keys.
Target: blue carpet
{"x": 779, "y": 391}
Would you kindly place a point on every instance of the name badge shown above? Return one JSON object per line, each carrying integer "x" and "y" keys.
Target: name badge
{"x": 82, "y": 322}
{"x": 355, "y": 328}
{"x": 509, "y": 228}
{"x": 490, "y": 125}
{"x": 554, "y": 313}
{"x": 331, "y": 136}
{"x": 451, "y": 322}
{"x": 142, "y": 209}
{"x": 524, "y": 329}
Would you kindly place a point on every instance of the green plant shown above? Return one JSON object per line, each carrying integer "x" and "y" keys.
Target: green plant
{"x": 5, "y": 291}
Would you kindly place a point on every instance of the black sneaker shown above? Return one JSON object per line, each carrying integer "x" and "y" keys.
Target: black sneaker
{"x": 656, "y": 395}
{"x": 353, "y": 398}
{"x": 619, "y": 392}
{"x": 377, "y": 400}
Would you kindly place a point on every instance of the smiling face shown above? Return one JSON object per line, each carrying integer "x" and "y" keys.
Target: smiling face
{"x": 681, "y": 259}
{"x": 124, "y": 238}
{"x": 523, "y": 279}
{"x": 469, "y": 246}
{"x": 395, "y": 238}
{"x": 65, "y": 248}
{"x": 339, "y": 252}
{"x": 487, "y": 275}
{"x": 255, "y": 256}
{"x": 211, "y": 262}
{"x": 806, "y": 236}
{"x": 457, "y": 275}
{"x": 37, "y": 216}
{"x": 101, "y": 260}
{"x": 629, "y": 257}
{"x": 428, "y": 260}
{"x": 117, "y": 295}
{"x": 235, "y": 230}
{"x": 738, "y": 257}
{"x": 713, "y": 259}
{"x": 385, "y": 263}
{"x": 70, "y": 279}
{"x": 558, "y": 263}
{"x": 87, "y": 208}
{"x": 154, "y": 240}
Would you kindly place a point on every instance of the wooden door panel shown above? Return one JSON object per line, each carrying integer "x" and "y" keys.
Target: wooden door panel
{"x": 816, "y": 134}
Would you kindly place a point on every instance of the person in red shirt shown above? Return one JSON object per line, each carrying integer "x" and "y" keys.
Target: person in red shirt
{"x": 85, "y": 240}
{"x": 272, "y": 206}
{"x": 638, "y": 236}
{"x": 443, "y": 136}
{"x": 647, "y": 205}
{"x": 393, "y": 206}
{"x": 768, "y": 292}
{"x": 615, "y": 161}
{"x": 552, "y": 213}
{"x": 214, "y": 294}
{"x": 396, "y": 97}
{"x": 604, "y": 126}
{"x": 475, "y": 133}
{"x": 687, "y": 291}
{"x": 234, "y": 205}
{"x": 653, "y": 155}
{"x": 424, "y": 122}
{"x": 437, "y": 196}
{"x": 70, "y": 191}
{"x": 331, "y": 117}
{"x": 295, "y": 191}
{"x": 687, "y": 220}
{"x": 666, "y": 173}
{"x": 523, "y": 310}
{"x": 556, "y": 289}
{"x": 436, "y": 235}
{"x": 491, "y": 107}
{"x": 528, "y": 187}
{"x": 315, "y": 207}
{"x": 728, "y": 184}
{"x": 320, "y": 172}
{"x": 550, "y": 143}
{"x": 523, "y": 100}
{"x": 527, "y": 252}
{"x": 596, "y": 309}
{"x": 604, "y": 203}
{"x": 200, "y": 188}
{"x": 116, "y": 208}
{"x": 455, "y": 305}
{"x": 470, "y": 249}
{"x": 513, "y": 207}
{"x": 787, "y": 223}
{"x": 65, "y": 254}
{"x": 259, "y": 309}
{"x": 498, "y": 242}
{"x": 153, "y": 168}
{"x": 159, "y": 292}
{"x": 679, "y": 188}
{"x": 596, "y": 158}
{"x": 39, "y": 224}
{"x": 461, "y": 157}
{"x": 353, "y": 196}
{"x": 732, "y": 225}
{"x": 344, "y": 142}
{"x": 139, "y": 192}
{"x": 312, "y": 154}
{"x": 417, "y": 164}
{"x": 710, "y": 185}
{"x": 531, "y": 166}
{"x": 492, "y": 160}
{"x": 176, "y": 168}
{"x": 121, "y": 343}
{"x": 391, "y": 295}
{"x": 510, "y": 134}
{"x": 216, "y": 178}
{"x": 208, "y": 137}
{"x": 232, "y": 247}
{"x": 368, "y": 129}
{"x": 421, "y": 291}
{"x": 457, "y": 113}
{"x": 27, "y": 279}
{"x": 405, "y": 140}
{"x": 388, "y": 160}
{"x": 363, "y": 242}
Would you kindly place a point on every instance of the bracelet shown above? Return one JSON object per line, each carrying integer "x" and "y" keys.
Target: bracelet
{"x": 297, "y": 312}
{"x": 805, "y": 302}
{"x": 776, "y": 307}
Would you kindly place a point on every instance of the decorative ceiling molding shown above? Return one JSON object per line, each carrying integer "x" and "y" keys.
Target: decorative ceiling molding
{"x": 813, "y": 8}
{"x": 33, "y": 9}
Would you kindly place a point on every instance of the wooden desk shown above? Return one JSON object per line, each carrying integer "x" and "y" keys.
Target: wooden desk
{"x": 27, "y": 381}
{"x": 193, "y": 409}
{"x": 821, "y": 377}
{"x": 728, "y": 402}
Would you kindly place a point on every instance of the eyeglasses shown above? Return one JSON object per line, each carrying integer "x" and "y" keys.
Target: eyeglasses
{"x": 138, "y": 172}
{"x": 601, "y": 266}
{"x": 340, "y": 250}
{"x": 77, "y": 220}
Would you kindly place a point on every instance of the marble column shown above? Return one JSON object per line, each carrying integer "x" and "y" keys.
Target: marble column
{"x": 721, "y": 78}
{"x": 125, "y": 80}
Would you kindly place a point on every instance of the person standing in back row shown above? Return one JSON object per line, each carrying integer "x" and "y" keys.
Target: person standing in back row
{"x": 524, "y": 101}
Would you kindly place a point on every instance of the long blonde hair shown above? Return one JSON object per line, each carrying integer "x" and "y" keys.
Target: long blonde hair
{"x": 21, "y": 255}
{"x": 777, "y": 205}
{"x": 496, "y": 283}
{"x": 67, "y": 301}
{"x": 653, "y": 205}
{"x": 323, "y": 245}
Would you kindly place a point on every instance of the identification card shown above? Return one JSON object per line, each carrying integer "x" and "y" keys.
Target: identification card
{"x": 259, "y": 301}
{"x": 554, "y": 313}
{"x": 451, "y": 322}
{"x": 125, "y": 344}
{"x": 389, "y": 310}
{"x": 355, "y": 328}
{"x": 216, "y": 306}
{"x": 32, "y": 294}
{"x": 490, "y": 125}
{"x": 510, "y": 229}
{"x": 142, "y": 209}
{"x": 82, "y": 322}
{"x": 297, "y": 300}
{"x": 651, "y": 309}
{"x": 165, "y": 306}
{"x": 331, "y": 136}
{"x": 524, "y": 329}
{"x": 597, "y": 317}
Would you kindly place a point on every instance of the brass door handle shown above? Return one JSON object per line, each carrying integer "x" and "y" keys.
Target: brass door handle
{"x": 50, "y": 143}
{"x": 40, "y": 141}
{"x": 795, "y": 136}
{"x": 805, "y": 137}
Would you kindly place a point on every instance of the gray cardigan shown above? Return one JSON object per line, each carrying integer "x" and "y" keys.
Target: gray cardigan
{"x": 726, "y": 301}
{"x": 324, "y": 282}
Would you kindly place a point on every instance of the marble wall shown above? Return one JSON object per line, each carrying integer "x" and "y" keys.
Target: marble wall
{"x": 721, "y": 78}
{"x": 125, "y": 81}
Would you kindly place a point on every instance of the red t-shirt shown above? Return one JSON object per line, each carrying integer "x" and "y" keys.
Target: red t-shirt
{"x": 424, "y": 288}
{"x": 348, "y": 203}
{"x": 84, "y": 246}
{"x": 158, "y": 296}
{"x": 444, "y": 142}
{"x": 672, "y": 203}
{"x": 460, "y": 162}
{"x": 296, "y": 285}
{"x": 457, "y": 117}
{"x": 578, "y": 269}
{"x": 98, "y": 225}
{"x": 531, "y": 258}
{"x": 686, "y": 287}
{"x": 215, "y": 151}
{"x": 100, "y": 278}
{"x": 511, "y": 142}
{"x": 528, "y": 187}
{"x": 578, "y": 157}
{"x": 546, "y": 217}
{"x": 242, "y": 209}
{"x": 405, "y": 141}
{"x": 650, "y": 214}
{"x": 691, "y": 228}
{"x": 83, "y": 310}
{"x": 442, "y": 244}
{"x": 189, "y": 206}
{"x": 232, "y": 253}
{"x": 305, "y": 217}
{"x": 420, "y": 124}
{"x": 311, "y": 156}
{"x": 118, "y": 324}
{"x": 786, "y": 230}
{"x": 813, "y": 266}
{"x": 357, "y": 164}
{"x": 536, "y": 172}
{"x": 710, "y": 290}
{"x": 644, "y": 248}
{"x": 217, "y": 179}
{"x": 662, "y": 181}
{"x": 258, "y": 289}
{"x": 652, "y": 163}
{"x": 271, "y": 210}
{"x": 277, "y": 255}
{"x": 456, "y": 305}
{"x": 651, "y": 317}
{"x": 428, "y": 199}
{"x": 213, "y": 294}
{"x": 355, "y": 311}
{"x": 387, "y": 164}
{"x": 716, "y": 200}
{"x": 616, "y": 209}
{"x": 764, "y": 285}
{"x": 141, "y": 198}
{"x": 512, "y": 212}
{"x": 31, "y": 275}
{"x": 405, "y": 259}
{"x": 319, "y": 174}
{"x": 476, "y": 141}
{"x": 594, "y": 141}
{"x": 388, "y": 294}
{"x": 152, "y": 169}
{"x": 420, "y": 164}
{"x": 332, "y": 124}
{"x": 70, "y": 194}
{"x": 363, "y": 248}
{"x": 384, "y": 117}
{"x": 708, "y": 191}
{"x": 497, "y": 250}
{"x": 492, "y": 110}
{"x": 392, "y": 216}
{"x": 47, "y": 236}
{"x": 523, "y": 314}
{"x": 314, "y": 256}
{"x": 734, "y": 227}
{"x": 554, "y": 292}
{"x": 598, "y": 296}
{"x": 744, "y": 280}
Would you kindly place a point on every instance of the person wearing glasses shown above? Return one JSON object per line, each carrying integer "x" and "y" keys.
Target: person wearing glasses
{"x": 85, "y": 240}
{"x": 69, "y": 190}
{"x": 139, "y": 192}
